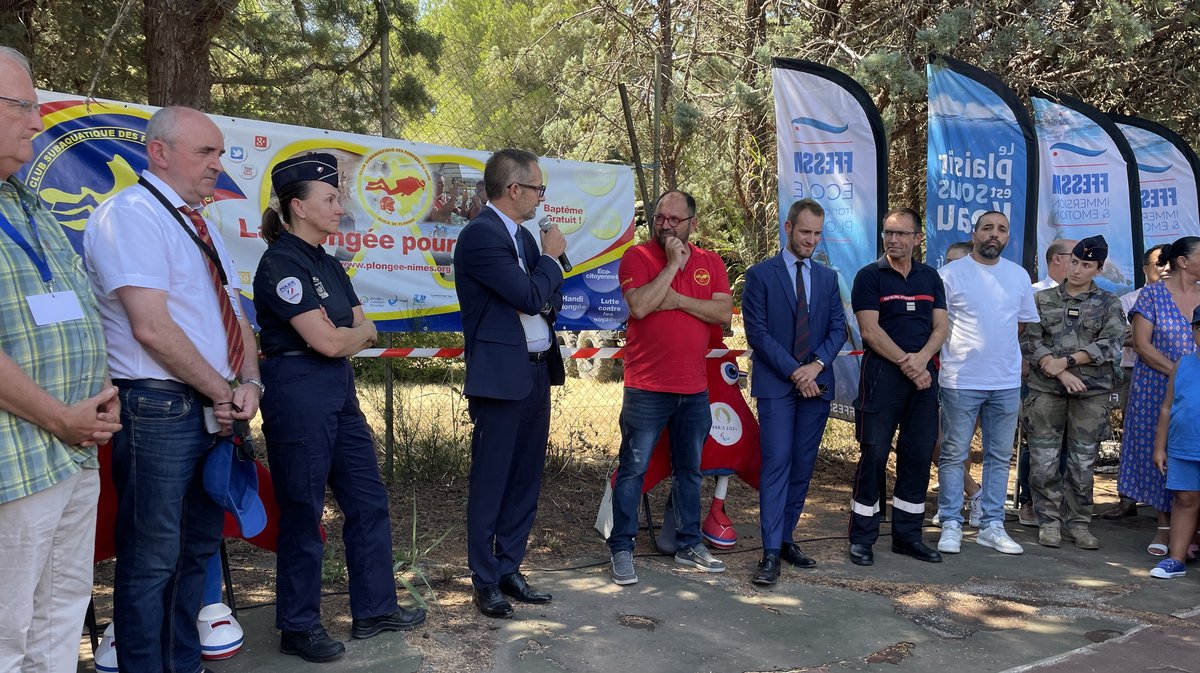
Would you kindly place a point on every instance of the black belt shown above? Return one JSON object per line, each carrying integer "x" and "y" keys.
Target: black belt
{"x": 290, "y": 354}
{"x": 164, "y": 385}
{"x": 539, "y": 357}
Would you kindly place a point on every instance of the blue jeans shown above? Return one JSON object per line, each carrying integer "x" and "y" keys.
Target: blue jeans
{"x": 167, "y": 528}
{"x": 644, "y": 415}
{"x": 997, "y": 411}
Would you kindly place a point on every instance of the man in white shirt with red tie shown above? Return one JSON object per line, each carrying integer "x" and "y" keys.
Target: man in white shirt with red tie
{"x": 177, "y": 341}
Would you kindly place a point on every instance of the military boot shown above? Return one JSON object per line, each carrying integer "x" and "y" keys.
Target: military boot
{"x": 1049, "y": 535}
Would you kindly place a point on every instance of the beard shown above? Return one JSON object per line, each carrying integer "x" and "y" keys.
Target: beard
{"x": 990, "y": 249}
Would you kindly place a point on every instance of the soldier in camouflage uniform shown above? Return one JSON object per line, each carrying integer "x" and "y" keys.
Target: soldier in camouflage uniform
{"x": 1070, "y": 355}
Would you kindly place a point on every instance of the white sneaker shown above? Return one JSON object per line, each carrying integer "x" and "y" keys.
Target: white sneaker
{"x": 997, "y": 538}
{"x": 976, "y": 505}
{"x": 951, "y": 540}
{"x": 937, "y": 519}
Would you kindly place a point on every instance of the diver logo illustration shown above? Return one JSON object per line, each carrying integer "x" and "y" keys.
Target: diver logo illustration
{"x": 395, "y": 187}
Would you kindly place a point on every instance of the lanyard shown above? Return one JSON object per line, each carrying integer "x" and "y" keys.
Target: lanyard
{"x": 39, "y": 261}
{"x": 209, "y": 251}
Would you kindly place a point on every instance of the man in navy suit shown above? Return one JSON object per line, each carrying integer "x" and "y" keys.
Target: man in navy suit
{"x": 796, "y": 325}
{"x": 509, "y": 295}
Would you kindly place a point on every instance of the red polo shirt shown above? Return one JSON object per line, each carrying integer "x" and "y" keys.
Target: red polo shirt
{"x": 664, "y": 351}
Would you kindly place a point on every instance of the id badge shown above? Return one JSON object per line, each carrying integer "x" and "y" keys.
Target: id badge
{"x": 55, "y": 307}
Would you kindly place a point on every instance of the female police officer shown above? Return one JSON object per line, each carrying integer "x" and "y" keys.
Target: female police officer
{"x": 315, "y": 432}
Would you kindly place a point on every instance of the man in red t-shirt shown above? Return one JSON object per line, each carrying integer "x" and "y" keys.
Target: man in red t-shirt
{"x": 675, "y": 291}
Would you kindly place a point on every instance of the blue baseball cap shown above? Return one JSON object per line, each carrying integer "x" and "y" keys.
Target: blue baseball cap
{"x": 232, "y": 481}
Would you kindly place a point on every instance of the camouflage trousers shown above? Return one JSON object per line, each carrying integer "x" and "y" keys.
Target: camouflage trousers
{"x": 1064, "y": 499}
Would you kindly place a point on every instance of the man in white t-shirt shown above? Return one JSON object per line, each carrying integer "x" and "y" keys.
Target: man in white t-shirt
{"x": 987, "y": 299}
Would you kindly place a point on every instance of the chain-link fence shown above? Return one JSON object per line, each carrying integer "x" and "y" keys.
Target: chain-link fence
{"x": 483, "y": 102}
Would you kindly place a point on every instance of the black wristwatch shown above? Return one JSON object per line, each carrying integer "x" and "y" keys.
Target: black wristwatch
{"x": 1071, "y": 361}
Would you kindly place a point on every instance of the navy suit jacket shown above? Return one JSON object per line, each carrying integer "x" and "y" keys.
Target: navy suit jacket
{"x": 491, "y": 289}
{"x": 769, "y": 312}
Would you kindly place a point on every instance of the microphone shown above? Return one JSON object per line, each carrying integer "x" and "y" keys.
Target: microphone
{"x": 544, "y": 225}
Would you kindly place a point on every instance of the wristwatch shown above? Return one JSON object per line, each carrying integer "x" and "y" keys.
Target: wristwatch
{"x": 820, "y": 362}
{"x": 262, "y": 389}
{"x": 1071, "y": 361}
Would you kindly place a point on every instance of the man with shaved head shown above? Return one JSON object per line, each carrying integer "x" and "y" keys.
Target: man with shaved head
{"x": 177, "y": 345}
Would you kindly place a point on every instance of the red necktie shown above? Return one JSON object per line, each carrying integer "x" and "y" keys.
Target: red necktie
{"x": 233, "y": 330}
{"x": 800, "y": 347}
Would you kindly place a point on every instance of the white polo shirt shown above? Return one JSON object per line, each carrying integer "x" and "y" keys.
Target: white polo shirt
{"x": 132, "y": 241}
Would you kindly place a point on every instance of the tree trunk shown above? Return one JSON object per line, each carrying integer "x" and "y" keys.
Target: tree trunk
{"x": 668, "y": 152}
{"x": 16, "y": 17}
{"x": 178, "y": 38}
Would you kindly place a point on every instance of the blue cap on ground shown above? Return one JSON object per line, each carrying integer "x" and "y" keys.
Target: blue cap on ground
{"x": 232, "y": 482}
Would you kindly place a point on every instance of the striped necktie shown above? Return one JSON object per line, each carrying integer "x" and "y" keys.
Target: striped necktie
{"x": 233, "y": 330}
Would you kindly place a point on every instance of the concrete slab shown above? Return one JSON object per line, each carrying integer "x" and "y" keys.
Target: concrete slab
{"x": 260, "y": 652}
{"x": 1047, "y": 608}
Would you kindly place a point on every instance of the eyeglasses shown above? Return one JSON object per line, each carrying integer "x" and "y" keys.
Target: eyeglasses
{"x": 27, "y": 106}
{"x": 540, "y": 189}
{"x": 888, "y": 233}
{"x": 672, "y": 222}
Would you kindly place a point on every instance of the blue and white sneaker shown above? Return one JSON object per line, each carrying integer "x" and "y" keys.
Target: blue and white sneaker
{"x": 1168, "y": 569}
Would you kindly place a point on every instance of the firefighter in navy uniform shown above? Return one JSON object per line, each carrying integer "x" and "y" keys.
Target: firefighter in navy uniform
{"x": 315, "y": 432}
{"x": 900, "y": 305}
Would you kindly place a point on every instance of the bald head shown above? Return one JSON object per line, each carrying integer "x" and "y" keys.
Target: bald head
{"x": 1058, "y": 258}
{"x": 184, "y": 147}
{"x": 20, "y": 119}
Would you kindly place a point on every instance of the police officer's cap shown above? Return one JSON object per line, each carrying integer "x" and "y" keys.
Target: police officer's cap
{"x": 1091, "y": 249}
{"x": 1196, "y": 315}
{"x": 321, "y": 167}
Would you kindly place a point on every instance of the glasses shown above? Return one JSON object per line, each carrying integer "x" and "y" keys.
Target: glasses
{"x": 27, "y": 106}
{"x": 540, "y": 189}
{"x": 672, "y": 222}
{"x": 888, "y": 233}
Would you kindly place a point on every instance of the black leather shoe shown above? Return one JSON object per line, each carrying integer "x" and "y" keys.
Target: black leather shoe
{"x": 491, "y": 603}
{"x": 313, "y": 645}
{"x": 402, "y": 619}
{"x": 916, "y": 549}
{"x": 515, "y": 587}
{"x": 768, "y": 570}
{"x": 862, "y": 555}
{"x": 791, "y": 553}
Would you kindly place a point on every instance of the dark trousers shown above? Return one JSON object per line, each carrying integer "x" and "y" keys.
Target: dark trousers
{"x": 167, "y": 528}
{"x": 790, "y": 431}
{"x": 508, "y": 452}
{"x": 316, "y": 435}
{"x": 888, "y": 399}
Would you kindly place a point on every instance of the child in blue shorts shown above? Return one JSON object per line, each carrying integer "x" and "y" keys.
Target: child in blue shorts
{"x": 1177, "y": 454}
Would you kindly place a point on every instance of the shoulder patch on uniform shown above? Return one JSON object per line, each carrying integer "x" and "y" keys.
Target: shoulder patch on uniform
{"x": 290, "y": 290}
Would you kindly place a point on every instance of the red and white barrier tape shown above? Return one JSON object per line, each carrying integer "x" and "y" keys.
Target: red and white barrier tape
{"x": 569, "y": 353}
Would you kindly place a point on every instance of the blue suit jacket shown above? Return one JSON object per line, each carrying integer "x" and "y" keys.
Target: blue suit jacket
{"x": 769, "y": 312}
{"x": 491, "y": 289}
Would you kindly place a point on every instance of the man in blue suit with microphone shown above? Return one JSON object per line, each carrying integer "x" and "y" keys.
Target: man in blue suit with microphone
{"x": 510, "y": 294}
{"x": 796, "y": 325}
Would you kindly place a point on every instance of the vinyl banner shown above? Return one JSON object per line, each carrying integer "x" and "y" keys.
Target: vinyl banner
{"x": 1088, "y": 186}
{"x": 405, "y": 205}
{"x": 982, "y": 156}
{"x": 831, "y": 148}
{"x": 1167, "y": 170}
